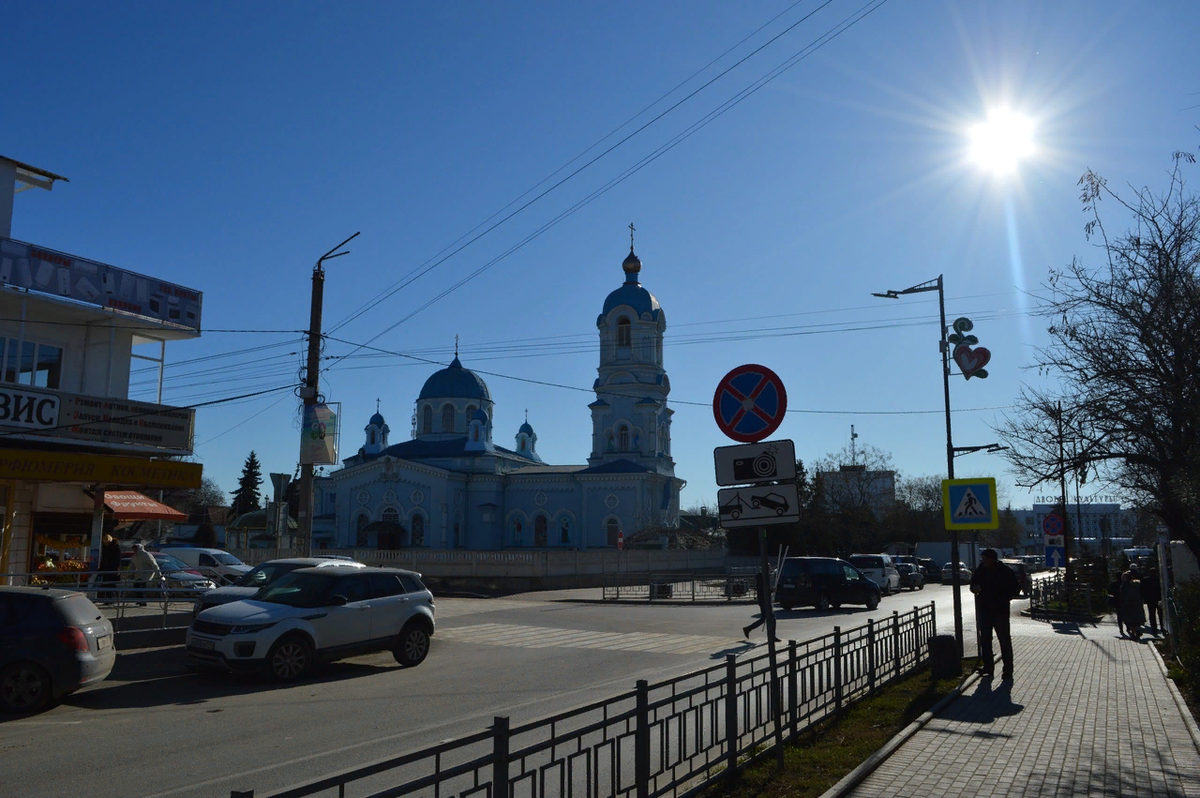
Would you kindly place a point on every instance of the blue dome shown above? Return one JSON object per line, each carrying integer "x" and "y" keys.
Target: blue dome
{"x": 633, "y": 295}
{"x": 377, "y": 420}
{"x": 455, "y": 382}
{"x": 480, "y": 415}
{"x": 525, "y": 428}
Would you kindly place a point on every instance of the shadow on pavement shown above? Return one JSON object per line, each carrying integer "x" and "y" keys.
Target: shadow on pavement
{"x": 164, "y": 680}
{"x": 991, "y": 700}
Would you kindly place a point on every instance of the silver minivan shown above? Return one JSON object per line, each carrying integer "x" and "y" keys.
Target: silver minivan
{"x": 880, "y": 569}
{"x": 217, "y": 564}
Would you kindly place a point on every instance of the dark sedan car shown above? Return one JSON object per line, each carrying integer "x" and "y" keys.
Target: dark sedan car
{"x": 910, "y": 576}
{"x": 52, "y": 642}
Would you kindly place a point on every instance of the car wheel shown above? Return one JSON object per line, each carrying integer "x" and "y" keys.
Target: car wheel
{"x": 412, "y": 646}
{"x": 786, "y": 607}
{"x": 823, "y": 602}
{"x": 24, "y": 687}
{"x": 290, "y": 658}
{"x": 872, "y": 601}
{"x": 921, "y": 586}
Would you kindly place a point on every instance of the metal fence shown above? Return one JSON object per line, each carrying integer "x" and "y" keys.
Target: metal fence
{"x": 679, "y": 587}
{"x": 122, "y": 593}
{"x": 670, "y": 738}
{"x": 1054, "y": 594}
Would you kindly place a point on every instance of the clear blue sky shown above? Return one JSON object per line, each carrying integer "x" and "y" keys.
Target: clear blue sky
{"x": 225, "y": 146}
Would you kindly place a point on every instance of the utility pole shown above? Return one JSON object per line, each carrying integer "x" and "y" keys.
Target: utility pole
{"x": 310, "y": 393}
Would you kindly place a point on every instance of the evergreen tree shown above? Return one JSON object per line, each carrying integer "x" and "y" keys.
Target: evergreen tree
{"x": 246, "y": 497}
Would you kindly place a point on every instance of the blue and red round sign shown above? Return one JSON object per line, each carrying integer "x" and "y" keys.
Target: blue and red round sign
{"x": 1053, "y": 524}
{"x": 749, "y": 403}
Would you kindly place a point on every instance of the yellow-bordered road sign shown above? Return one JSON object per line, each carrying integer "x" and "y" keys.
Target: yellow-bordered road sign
{"x": 970, "y": 503}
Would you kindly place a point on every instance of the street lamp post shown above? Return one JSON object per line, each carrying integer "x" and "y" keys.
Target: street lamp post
{"x": 944, "y": 345}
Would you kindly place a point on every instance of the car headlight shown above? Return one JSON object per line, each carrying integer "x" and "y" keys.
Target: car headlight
{"x": 249, "y": 628}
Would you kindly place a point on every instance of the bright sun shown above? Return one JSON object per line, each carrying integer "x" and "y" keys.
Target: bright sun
{"x": 1000, "y": 143}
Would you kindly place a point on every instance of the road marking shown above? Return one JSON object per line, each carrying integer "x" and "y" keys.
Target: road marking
{"x": 515, "y": 636}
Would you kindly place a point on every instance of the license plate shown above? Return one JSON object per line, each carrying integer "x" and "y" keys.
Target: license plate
{"x": 103, "y": 642}
{"x": 205, "y": 644}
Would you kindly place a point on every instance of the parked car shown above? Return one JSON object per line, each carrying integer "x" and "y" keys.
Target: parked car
{"x": 181, "y": 581}
{"x": 1022, "y": 572}
{"x": 930, "y": 568}
{"x": 964, "y": 574}
{"x": 316, "y": 615}
{"x": 823, "y": 582}
{"x": 910, "y": 576}
{"x": 52, "y": 642}
{"x": 221, "y": 566}
{"x": 880, "y": 569}
{"x": 254, "y": 580}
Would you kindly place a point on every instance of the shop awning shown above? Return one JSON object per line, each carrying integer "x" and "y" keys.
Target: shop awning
{"x": 129, "y": 505}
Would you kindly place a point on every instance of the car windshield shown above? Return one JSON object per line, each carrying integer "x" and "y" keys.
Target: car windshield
{"x": 168, "y": 563}
{"x": 225, "y": 558}
{"x": 265, "y": 574}
{"x": 298, "y": 589}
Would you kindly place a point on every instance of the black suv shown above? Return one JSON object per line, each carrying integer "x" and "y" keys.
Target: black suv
{"x": 823, "y": 582}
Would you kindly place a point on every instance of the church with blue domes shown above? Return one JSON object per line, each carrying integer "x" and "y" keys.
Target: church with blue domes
{"x": 451, "y": 486}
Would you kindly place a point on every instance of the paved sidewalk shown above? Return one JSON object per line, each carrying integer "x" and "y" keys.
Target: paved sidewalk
{"x": 1089, "y": 713}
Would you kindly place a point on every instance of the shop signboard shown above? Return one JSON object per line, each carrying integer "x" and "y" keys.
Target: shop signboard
{"x": 37, "y": 466}
{"x": 43, "y": 412}
{"x": 36, "y": 268}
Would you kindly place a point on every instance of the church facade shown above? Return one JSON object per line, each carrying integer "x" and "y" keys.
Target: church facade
{"x": 451, "y": 486}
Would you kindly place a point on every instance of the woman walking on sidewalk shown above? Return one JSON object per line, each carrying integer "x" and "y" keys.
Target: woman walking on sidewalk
{"x": 1132, "y": 614}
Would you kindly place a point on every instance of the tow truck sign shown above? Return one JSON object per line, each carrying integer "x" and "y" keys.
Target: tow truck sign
{"x": 759, "y": 505}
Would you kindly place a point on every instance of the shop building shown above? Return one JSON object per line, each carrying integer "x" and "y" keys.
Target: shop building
{"x": 71, "y": 330}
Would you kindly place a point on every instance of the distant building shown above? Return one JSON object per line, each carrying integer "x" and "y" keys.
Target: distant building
{"x": 1095, "y": 526}
{"x": 854, "y": 486}
{"x": 453, "y": 487}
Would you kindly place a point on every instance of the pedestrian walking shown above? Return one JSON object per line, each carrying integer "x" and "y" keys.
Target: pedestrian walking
{"x": 1114, "y": 601}
{"x": 1151, "y": 590}
{"x": 994, "y": 585}
{"x": 145, "y": 571}
{"x": 1131, "y": 605}
{"x": 109, "y": 567}
{"x": 764, "y": 608}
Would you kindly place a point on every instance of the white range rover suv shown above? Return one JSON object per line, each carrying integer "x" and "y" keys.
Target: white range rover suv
{"x": 316, "y": 615}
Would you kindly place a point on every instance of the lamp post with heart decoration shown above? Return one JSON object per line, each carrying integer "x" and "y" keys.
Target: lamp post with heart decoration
{"x": 976, "y": 359}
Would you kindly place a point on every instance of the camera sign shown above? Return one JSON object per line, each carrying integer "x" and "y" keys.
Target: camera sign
{"x": 768, "y": 461}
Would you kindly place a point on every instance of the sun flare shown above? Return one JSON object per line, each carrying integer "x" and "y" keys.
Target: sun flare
{"x": 1002, "y": 142}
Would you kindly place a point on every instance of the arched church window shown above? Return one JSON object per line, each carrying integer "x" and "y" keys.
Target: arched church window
{"x": 613, "y": 528}
{"x": 371, "y": 437}
{"x": 447, "y": 418}
{"x": 539, "y": 530}
{"x": 516, "y": 532}
{"x": 418, "y": 530}
{"x": 564, "y": 531}
{"x": 471, "y": 412}
{"x": 475, "y": 433}
{"x": 360, "y": 532}
{"x": 624, "y": 333}
{"x": 608, "y": 441}
{"x": 427, "y": 419}
{"x": 522, "y": 444}
{"x": 390, "y": 516}
{"x": 623, "y": 439}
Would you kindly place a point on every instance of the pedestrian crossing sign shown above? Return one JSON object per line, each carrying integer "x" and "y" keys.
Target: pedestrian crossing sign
{"x": 970, "y": 503}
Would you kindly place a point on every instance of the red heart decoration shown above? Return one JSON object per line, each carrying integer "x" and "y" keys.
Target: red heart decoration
{"x": 971, "y": 360}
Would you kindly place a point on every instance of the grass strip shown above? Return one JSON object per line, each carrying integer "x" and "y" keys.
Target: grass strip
{"x": 823, "y": 755}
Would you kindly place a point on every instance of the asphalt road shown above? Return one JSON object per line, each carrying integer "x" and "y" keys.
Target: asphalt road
{"x": 156, "y": 728}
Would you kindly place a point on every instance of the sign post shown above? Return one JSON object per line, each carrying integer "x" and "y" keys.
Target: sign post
{"x": 748, "y": 405}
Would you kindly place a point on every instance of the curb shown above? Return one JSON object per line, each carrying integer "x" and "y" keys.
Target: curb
{"x": 856, "y": 776}
{"x": 1188, "y": 720}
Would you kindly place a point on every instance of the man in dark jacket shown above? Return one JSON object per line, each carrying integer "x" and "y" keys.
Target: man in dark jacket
{"x": 766, "y": 614}
{"x": 1151, "y": 596}
{"x": 994, "y": 585}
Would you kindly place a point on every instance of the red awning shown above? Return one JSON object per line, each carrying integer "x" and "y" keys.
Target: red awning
{"x": 129, "y": 505}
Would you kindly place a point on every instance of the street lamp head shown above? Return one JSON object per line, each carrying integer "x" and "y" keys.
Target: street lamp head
{"x": 888, "y": 295}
